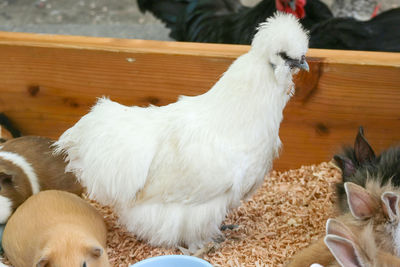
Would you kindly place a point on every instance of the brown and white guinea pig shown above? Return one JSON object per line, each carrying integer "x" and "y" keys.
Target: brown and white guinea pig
{"x": 356, "y": 248}
{"x": 375, "y": 205}
{"x": 55, "y": 228}
{"x": 27, "y": 166}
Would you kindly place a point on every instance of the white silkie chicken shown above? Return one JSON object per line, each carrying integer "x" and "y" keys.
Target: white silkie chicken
{"x": 172, "y": 173}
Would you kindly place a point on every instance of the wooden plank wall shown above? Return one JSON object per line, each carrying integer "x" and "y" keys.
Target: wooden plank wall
{"x": 48, "y": 82}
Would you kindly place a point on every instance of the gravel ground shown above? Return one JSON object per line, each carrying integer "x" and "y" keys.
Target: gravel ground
{"x": 118, "y": 18}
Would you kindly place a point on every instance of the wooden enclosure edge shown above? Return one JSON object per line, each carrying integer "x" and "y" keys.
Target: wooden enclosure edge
{"x": 47, "y": 82}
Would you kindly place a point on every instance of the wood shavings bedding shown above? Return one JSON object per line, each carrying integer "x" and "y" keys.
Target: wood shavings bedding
{"x": 285, "y": 215}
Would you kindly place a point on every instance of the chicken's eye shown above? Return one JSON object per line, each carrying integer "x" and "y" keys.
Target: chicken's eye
{"x": 284, "y": 56}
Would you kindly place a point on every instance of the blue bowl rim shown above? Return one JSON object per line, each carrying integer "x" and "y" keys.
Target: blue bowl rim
{"x": 156, "y": 258}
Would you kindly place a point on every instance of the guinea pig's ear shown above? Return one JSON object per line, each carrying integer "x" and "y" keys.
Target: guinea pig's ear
{"x": 96, "y": 251}
{"x": 362, "y": 205}
{"x": 364, "y": 152}
{"x": 43, "y": 261}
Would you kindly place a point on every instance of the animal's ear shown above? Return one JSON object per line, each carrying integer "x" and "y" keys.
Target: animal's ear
{"x": 362, "y": 205}
{"x": 96, "y": 251}
{"x": 391, "y": 205}
{"x": 343, "y": 250}
{"x": 43, "y": 262}
{"x": 364, "y": 152}
{"x": 335, "y": 227}
{"x": 345, "y": 164}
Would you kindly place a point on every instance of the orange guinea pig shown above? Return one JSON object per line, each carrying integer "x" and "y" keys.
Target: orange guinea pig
{"x": 56, "y": 228}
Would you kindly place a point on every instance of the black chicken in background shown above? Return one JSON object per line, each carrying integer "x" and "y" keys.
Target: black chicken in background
{"x": 381, "y": 33}
{"x": 315, "y": 12}
{"x": 227, "y": 21}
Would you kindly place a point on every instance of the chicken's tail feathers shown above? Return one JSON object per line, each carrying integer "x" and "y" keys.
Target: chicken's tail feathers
{"x": 107, "y": 179}
{"x": 189, "y": 20}
{"x": 316, "y": 11}
{"x": 66, "y": 140}
{"x": 112, "y": 164}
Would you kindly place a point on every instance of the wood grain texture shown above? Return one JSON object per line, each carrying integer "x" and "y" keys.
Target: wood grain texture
{"x": 47, "y": 82}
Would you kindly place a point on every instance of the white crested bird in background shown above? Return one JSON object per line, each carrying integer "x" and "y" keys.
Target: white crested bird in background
{"x": 172, "y": 173}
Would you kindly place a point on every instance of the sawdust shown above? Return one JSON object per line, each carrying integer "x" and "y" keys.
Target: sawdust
{"x": 285, "y": 215}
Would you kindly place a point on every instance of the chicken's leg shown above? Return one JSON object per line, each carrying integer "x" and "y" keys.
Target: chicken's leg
{"x": 213, "y": 245}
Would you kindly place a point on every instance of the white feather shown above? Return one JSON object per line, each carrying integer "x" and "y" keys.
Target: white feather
{"x": 174, "y": 172}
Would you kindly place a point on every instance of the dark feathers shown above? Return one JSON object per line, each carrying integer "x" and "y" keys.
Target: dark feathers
{"x": 360, "y": 163}
{"x": 227, "y": 21}
{"x": 221, "y": 21}
{"x": 316, "y": 12}
{"x": 378, "y": 34}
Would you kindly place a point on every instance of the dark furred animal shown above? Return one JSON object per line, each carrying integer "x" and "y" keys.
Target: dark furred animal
{"x": 7, "y": 124}
{"x": 360, "y": 162}
{"x": 227, "y": 21}
{"x": 378, "y": 34}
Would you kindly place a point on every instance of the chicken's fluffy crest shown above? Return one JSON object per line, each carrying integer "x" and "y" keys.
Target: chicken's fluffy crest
{"x": 269, "y": 38}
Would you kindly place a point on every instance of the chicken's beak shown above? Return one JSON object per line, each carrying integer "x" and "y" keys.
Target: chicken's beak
{"x": 298, "y": 63}
{"x": 303, "y": 64}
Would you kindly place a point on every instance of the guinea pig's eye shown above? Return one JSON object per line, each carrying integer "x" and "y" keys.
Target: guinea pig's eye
{"x": 84, "y": 264}
{"x": 5, "y": 178}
